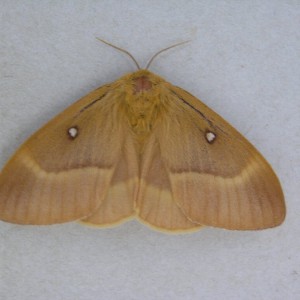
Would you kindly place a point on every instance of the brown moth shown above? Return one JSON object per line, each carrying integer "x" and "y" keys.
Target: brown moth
{"x": 140, "y": 148}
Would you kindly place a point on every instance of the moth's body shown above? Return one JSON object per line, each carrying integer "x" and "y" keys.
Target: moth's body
{"x": 140, "y": 147}
{"x": 143, "y": 103}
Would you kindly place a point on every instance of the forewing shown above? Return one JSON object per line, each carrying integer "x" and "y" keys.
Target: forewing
{"x": 217, "y": 177}
{"x": 56, "y": 176}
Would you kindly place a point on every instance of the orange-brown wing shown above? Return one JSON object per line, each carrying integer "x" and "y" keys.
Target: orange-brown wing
{"x": 155, "y": 201}
{"x": 213, "y": 174}
{"x": 118, "y": 205}
{"x": 64, "y": 171}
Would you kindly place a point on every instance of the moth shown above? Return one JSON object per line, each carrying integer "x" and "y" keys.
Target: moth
{"x": 141, "y": 148}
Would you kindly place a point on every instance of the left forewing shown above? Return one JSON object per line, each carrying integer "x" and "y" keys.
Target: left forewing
{"x": 64, "y": 171}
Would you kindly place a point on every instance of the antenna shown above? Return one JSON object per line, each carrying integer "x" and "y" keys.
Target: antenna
{"x": 132, "y": 57}
{"x": 122, "y": 50}
{"x": 163, "y": 50}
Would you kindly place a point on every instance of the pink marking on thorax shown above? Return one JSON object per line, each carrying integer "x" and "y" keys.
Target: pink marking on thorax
{"x": 142, "y": 84}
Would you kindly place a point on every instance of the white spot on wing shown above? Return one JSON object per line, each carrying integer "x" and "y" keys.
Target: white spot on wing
{"x": 210, "y": 136}
{"x": 73, "y": 132}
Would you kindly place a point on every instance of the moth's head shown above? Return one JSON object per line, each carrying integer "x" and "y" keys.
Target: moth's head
{"x": 144, "y": 81}
{"x": 141, "y": 81}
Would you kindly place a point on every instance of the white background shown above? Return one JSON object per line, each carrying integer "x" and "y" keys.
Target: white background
{"x": 243, "y": 62}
